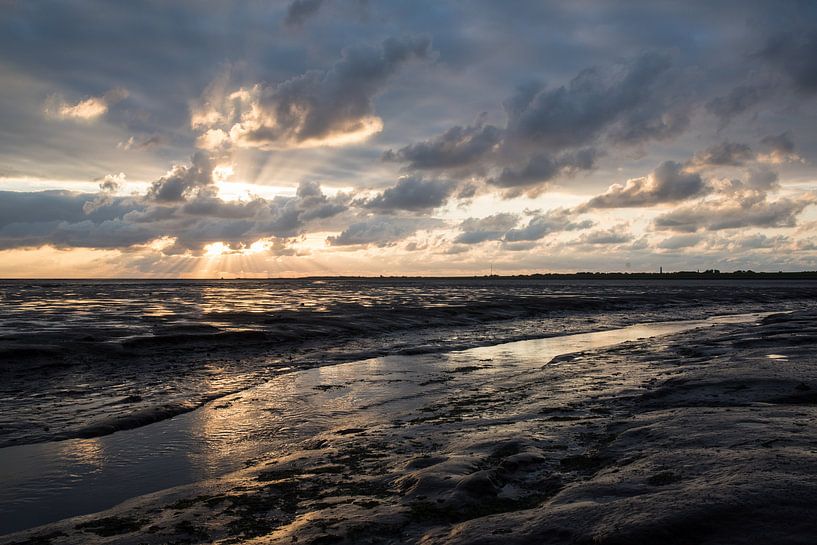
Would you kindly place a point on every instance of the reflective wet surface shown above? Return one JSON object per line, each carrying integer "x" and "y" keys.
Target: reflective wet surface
{"x": 50, "y": 481}
{"x": 86, "y": 358}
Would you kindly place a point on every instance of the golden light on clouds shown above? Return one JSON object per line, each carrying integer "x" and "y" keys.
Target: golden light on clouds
{"x": 86, "y": 109}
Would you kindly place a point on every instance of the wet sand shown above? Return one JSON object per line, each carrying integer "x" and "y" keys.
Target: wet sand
{"x": 703, "y": 436}
{"x": 89, "y": 358}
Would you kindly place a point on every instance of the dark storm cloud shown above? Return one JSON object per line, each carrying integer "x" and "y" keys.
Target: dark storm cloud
{"x": 669, "y": 183}
{"x": 412, "y": 194}
{"x": 542, "y": 224}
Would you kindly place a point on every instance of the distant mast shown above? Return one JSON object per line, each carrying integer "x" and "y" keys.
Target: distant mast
{"x": 660, "y": 270}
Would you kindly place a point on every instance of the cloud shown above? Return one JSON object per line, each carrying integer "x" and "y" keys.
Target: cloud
{"x": 317, "y": 108}
{"x": 503, "y": 227}
{"x": 750, "y": 208}
{"x": 458, "y": 146}
{"x": 109, "y": 185}
{"x": 620, "y": 99}
{"x": 542, "y": 224}
{"x": 66, "y": 219}
{"x": 668, "y": 183}
{"x": 313, "y": 204}
{"x": 380, "y": 231}
{"x": 86, "y": 109}
{"x": 762, "y": 179}
{"x": 542, "y": 168}
{"x": 734, "y": 103}
{"x": 413, "y": 194}
{"x": 17, "y": 207}
{"x": 477, "y": 230}
{"x": 601, "y": 106}
{"x": 143, "y": 143}
{"x": 779, "y": 149}
{"x": 301, "y": 10}
{"x": 182, "y": 206}
{"x": 553, "y": 132}
{"x": 614, "y": 235}
{"x": 723, "y": 154}
{"x": 794, "y": 53}
{"x": 677, "y": 242}
{"x": 518, "y": 246}
{"x": 182, "y": 181}
{"x": 760, "y": 240}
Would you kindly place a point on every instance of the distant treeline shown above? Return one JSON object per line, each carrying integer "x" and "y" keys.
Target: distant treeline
{"x": 707, "y": 274}
{"x": 677, "y": 275}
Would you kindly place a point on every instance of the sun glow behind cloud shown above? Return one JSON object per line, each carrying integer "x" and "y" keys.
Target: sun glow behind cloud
{"x": 339, "y": 146}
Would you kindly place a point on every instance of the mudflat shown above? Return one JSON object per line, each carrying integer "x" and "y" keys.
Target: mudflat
{"x": 703, "y": 435}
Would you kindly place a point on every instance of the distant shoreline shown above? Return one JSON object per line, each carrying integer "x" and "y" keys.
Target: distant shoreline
{"x": 583, "y": 275}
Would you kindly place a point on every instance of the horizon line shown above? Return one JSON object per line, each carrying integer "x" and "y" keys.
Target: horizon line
{"x": 707, "y": 273}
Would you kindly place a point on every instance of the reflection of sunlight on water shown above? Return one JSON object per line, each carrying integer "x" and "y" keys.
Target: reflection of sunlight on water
{"x": 88, "y": 452}
{"x": 540, "y": 351}
{"x": 291, "y": 405}
{"x": 238, "y": 426}
{"x": 270, "y": 419}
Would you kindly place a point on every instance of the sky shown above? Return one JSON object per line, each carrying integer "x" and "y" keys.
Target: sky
{"x": 202, "y": 138}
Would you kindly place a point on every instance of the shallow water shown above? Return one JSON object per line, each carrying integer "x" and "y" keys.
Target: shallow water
{"x": 86, "y": 358}
{"x": 50, "y": 481}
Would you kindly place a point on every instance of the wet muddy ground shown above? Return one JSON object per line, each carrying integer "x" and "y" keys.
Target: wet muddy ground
{"x": 703, "y": 436}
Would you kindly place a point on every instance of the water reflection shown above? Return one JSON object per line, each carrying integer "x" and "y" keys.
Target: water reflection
{"x": 107, "y": 309}
{"x": 50, "y": 481}
{"x": 88, "y": 453}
